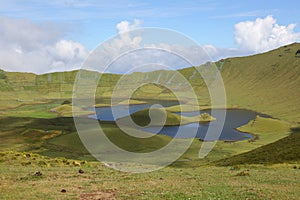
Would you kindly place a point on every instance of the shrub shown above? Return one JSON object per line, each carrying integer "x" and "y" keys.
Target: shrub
{"x": 2, "y": 74}
{"x": 66, "y": 102}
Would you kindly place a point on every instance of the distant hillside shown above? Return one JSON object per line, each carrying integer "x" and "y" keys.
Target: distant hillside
{"x": 268, "y": 83}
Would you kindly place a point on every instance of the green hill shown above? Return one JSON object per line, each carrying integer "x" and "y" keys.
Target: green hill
{"x": 267, "y": 83}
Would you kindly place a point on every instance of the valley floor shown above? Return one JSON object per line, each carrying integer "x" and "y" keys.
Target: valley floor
{"x": 32, "y": 128}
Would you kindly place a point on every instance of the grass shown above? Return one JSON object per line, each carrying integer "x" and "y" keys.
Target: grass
{"x": 284, "y": 150}
{"x": 132, "y": 102}
{"x": 24, "y": 133}
{"x": 207, "y": 182}
{"x": 183, "y": 108}
{"x": 267, "y": 129}
{"x": 99, "y": 105}
{"x": 272, "y": 88}
{"x": 38, "y": 110}
{"x": 68, "y": 110}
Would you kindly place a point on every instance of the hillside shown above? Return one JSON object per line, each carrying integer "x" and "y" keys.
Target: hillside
{"x": 285, "y": 150}
{"x": 268, "y": 83}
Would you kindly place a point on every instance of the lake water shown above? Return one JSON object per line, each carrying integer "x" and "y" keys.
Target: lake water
{"x": 115, "y": 112}
{"x": 234, "y": 119}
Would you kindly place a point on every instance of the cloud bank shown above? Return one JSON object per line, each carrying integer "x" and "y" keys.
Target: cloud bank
{"x": 125, "y": 26}
{"x": 264, "y": 34}
{"x": 39, "y": 48}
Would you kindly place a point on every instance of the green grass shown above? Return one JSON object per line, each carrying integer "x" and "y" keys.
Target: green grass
{"x": 284, "y": 150}
{"x": 24, "y": 133}
{"x": 183, "y": 108}
{"x": 132, "y": 102}
{"x": 33, "y": 110}
{"x": 267, "y": 129}
{"x": 17, "y": 172}
{"x": 272, "y": 88}
{"x": 68, "y": 110}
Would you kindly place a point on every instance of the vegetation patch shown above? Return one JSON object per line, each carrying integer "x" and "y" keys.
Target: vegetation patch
{"x": 132, "y": 102}
{"x": 67, "y": 110}
{"x": 267, "y": 128}
{"x": 161, "y": 117}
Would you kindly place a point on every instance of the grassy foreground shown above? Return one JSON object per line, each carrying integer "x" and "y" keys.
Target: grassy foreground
{"x": 60, "y": 179}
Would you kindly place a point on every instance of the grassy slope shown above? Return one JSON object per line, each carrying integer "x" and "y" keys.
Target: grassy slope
{"x": 36, "y": 110}
{"x": 24, "y": 133}
{"x": 268, "y": 83}
{"x": 284, "y": 150}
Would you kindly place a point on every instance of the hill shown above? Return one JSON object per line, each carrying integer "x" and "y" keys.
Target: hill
{"x": 267, "y": 83}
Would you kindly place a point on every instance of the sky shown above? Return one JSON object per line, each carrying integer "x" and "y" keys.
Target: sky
{"x": 58, "y": 35}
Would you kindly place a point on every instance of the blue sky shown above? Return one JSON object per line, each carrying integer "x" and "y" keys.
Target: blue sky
{"x": 208, "y": 22}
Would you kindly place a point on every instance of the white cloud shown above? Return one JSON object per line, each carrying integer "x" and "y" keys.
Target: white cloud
{"x": 25, "y": 46}
{"x": 264, "y": 34}
{"x": 126, "y": 40}
{"x": 216, "y": 53}
{"x": 130, "y": 49}
{"x": 67, "y": 50}
{"x": 30, "y": 47}
{"x": 125, "y": 26}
